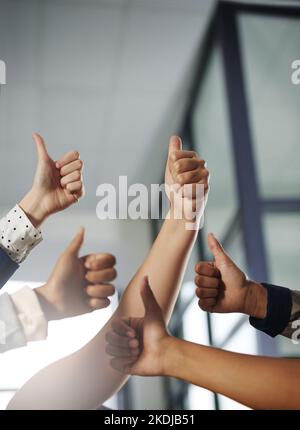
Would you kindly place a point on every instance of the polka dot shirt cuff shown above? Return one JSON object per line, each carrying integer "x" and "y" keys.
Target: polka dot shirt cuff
{"x": 17, "y": 235}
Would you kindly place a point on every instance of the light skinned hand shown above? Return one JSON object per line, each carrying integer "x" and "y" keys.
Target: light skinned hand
{"x": 223, "y": 287}
{"x": 78, "y": 285}
{"x": 56, "y": 185}
{"x": 183, "y": 168}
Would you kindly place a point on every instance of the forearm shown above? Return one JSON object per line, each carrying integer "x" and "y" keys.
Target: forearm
{"x": 165, "y": 266}
{"x": 86, "y": 379}
{"x": 257, "y": 382}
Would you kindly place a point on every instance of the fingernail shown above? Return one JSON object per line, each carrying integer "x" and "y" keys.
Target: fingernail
{"x": 57, "y": 165}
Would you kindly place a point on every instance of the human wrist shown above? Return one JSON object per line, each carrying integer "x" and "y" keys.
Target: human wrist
{"x": 182, "y": 223}
{"x": 32, "y": 207}
{"x": 256, "y": 300}
{"x": 172, "y": 356}
{"x": 48, "y": 308}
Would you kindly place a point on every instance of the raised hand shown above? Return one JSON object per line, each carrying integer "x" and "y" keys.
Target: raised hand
{"x": 137, "y": 345}
{"x": 223, "y": 287}
{"x": 56, "y": 185}
{"x": 78, "y": 285}
{"x": 183, "y": 168}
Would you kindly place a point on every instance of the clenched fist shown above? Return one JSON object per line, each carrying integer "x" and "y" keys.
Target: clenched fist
{"x": 78, "y": 285}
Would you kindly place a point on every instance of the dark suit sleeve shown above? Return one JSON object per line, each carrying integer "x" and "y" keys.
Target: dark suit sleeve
{"x": 279, "y": 310}
{"x": 7, "y": 267}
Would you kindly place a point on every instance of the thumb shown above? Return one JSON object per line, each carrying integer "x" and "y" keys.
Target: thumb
{"x": 216, "y": 248}
{"x": 175, "y": 144}
{"x": 77, "y": 242}
{"x": 40, "y": 147}
{"x": 152, "y": 308}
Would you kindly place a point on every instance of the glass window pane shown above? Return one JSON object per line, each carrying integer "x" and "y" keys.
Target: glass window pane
{"x": 212, "y": 139}
{"x": 64, "y": 337}
{"x": 269, "y": 45}
{"x": 282, "y": 233}
{"x": 244, "y": 341}
{"x": 195, "y": 330}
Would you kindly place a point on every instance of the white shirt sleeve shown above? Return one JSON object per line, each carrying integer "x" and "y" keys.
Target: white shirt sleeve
{"x": 30, "y": 314}
{"x": 17, "y": 235}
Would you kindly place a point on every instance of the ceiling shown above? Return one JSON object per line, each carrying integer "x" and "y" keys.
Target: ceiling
{"x": 94, "y": 75}
{"x": 103, "y": 77}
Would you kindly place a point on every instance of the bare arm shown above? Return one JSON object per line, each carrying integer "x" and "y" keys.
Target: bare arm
{"x": 85, "y": 379}
{"x": 258, "y": 382}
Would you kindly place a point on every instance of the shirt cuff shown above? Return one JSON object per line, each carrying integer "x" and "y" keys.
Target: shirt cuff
{"x": 279, "y": 309}
{"x": 11, "y": 331}
{"x": 17, "y": 235}
{"x": 30, "y": 314}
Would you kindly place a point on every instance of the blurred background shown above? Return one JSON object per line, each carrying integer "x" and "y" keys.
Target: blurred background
{"x": 114, "y": 79}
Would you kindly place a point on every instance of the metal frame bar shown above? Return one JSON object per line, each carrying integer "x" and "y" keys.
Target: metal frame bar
{"x": 248, "y": 192}
{"x": 275, "y": 9}
{"x": 281, "y": 205}
{"x": 223, "y": 30}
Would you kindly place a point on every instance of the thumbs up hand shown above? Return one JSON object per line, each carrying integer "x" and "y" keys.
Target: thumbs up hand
{"x": 186, "y": 168}
{"x": 223, "y": 287}
{"x": 78, "y": 285}
{"x": 138, "y": 345}
{"x": 56, "y": 185}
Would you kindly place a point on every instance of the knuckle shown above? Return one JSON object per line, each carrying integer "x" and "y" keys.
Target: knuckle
{"x": 173, "y": 157}
{"x": 198, "y": 280}
{"x": 206, "y": 174}
{"x": 201, "y": 305}
{"x": 113, "y": 273}
{"x": 177, "y": 154}
{"x": 110, "y": 290}
{"x": 91, "y": 277}
{"x": 111, "y": 259}
{"x": 180, "y": 179}
{"x": 177, "y": 166}
{"x": 202, "y": 294}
